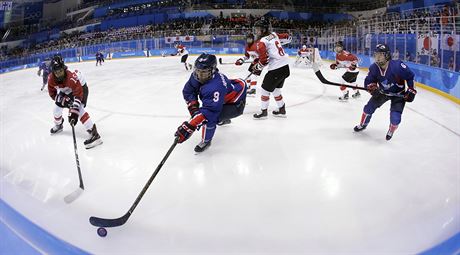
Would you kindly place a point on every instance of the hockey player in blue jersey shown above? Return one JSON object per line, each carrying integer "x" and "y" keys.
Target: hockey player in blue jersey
{"x": 45, "y": 67}
{"x": 99, "y": 58}
{"x": 385, "y": 81}
{"x": 221, "y": 100}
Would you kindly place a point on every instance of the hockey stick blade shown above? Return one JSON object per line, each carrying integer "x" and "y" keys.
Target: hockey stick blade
{"x": 108, "y": 223}
{"x": 220, "y": 61}
{"x": 74, "y": 195}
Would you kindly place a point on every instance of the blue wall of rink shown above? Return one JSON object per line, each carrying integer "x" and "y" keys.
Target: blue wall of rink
{"x": 20, "y": 236}
{"x": 440, "y": 79}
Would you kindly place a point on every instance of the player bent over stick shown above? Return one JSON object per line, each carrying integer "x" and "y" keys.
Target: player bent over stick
{"x": 385, "y": 81}
{"x": 69, "y": 90}
{"x": 221, "y": 100}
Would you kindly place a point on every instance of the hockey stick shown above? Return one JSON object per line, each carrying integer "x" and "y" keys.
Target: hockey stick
{"x": 74, "y": 195}
{"x": 325, "y": 81}
{"x": 223, "y": 63}
{"x": 101, "y": 222}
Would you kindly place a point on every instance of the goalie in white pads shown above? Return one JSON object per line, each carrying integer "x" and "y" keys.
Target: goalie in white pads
{"x": 304, "y": 55}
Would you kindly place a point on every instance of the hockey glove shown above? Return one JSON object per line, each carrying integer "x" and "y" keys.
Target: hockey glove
{"x": 239, "y": 62}
{"x": 257, "y": 69}
{"x": 372, "y": 88}
{"x": 409, "y": 96}
{"x": 74, "y": 112}
{"x": 63, "y": 101}
{"x": 333, "y": 66}
{"x": 184, "y": 131}
{"x": 193, "y": 108}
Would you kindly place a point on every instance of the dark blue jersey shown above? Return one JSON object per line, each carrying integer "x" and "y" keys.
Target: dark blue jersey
{"x": 45, "y": 66}
{"x": 214, "y": 94}
{"x": 99, "y": 55}
{"x": 391, "y": 80}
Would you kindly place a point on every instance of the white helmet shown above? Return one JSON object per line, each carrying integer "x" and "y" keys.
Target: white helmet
{"x": 304, "y": 47}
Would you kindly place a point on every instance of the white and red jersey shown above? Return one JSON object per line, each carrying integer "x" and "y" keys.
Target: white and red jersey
{"x": 271, "y": 52}
{"x": 304, "y": 53}
{"x": 182, "y": 50}
{"x": 346, "y": 59}
{"x": 251, "y": 51}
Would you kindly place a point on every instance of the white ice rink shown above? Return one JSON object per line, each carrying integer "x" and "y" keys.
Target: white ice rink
{"x": 303, "y": 184}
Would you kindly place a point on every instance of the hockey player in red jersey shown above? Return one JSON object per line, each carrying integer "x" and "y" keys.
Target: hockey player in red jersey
{"x": 271, "y": 54}
{"x": 67, "y": 91}
{"x": 345, "y": 59}
{"x": 183, "y": 52}
{"x": 250, "y": 52}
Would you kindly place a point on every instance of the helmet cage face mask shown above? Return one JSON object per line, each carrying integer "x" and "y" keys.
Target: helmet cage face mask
{"x": 203, "y": 75}
{"x": 59, "y": 74}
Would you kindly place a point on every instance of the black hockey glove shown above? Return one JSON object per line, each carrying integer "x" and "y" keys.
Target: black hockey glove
{"x": 74, "y": 112}
{"x": 63, "y": 101}
{"x": 193, "y": 108}
{"x": 184, "y": 131}
{"x": 409, "y": 96}
{"x": 257, "y": 69}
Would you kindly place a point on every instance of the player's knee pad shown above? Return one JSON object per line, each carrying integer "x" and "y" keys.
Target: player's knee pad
{"x": 369, "y": 108}
{"x": 395, "y": 117}
{"x": 276, "y": 92}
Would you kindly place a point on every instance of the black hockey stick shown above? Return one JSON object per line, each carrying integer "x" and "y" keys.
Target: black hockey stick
{"x": 74, "y": 195}
{"x": 224, "y": 63}
{"x": 325, "y": 81}
{"x": 101, "y": 222}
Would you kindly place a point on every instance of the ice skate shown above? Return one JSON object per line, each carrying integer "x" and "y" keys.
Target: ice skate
{"x": 224, "y": 122}
{"x": 281, "y": 112}
{"x": 359, "y": 128}
{"x": 391, "y": 131}
{"x": 94, "y": 140}
{"x": 202, "y": 146}
{"x": 344, "y": 97}
{"x": 261, "y": 116}
{"x": 57, "y": 128}
{"x": 356, "y": 95}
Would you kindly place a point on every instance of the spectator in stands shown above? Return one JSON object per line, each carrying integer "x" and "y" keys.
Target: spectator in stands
{"x": 434, "y": 59}
{"x": 451, "y": 65}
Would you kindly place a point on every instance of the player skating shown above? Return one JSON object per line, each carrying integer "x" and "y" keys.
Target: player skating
{"x": 183, "y": 52}
{"x": 250, "y": 52}
{"x": 271, "y": 53}
{"x": 45, "y": 67}
{"x": 99, "y": 58}
{"x": 385, "y": 81}
{"x": 69, "y": 90}
{"x": 345, "y": 59}
{"x": 221, "y": 100}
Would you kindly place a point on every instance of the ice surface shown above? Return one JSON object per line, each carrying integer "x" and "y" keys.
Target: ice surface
{"x": 305, "y": 184}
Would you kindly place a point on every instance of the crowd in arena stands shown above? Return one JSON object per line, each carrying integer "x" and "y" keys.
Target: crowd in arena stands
{"x": 241, "y": 24}
{"x": 431, "y": 19}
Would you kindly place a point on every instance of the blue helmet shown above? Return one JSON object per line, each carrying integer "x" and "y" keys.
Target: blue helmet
{"x": 205, "y": 67}
{"x": 382, "y": 48}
